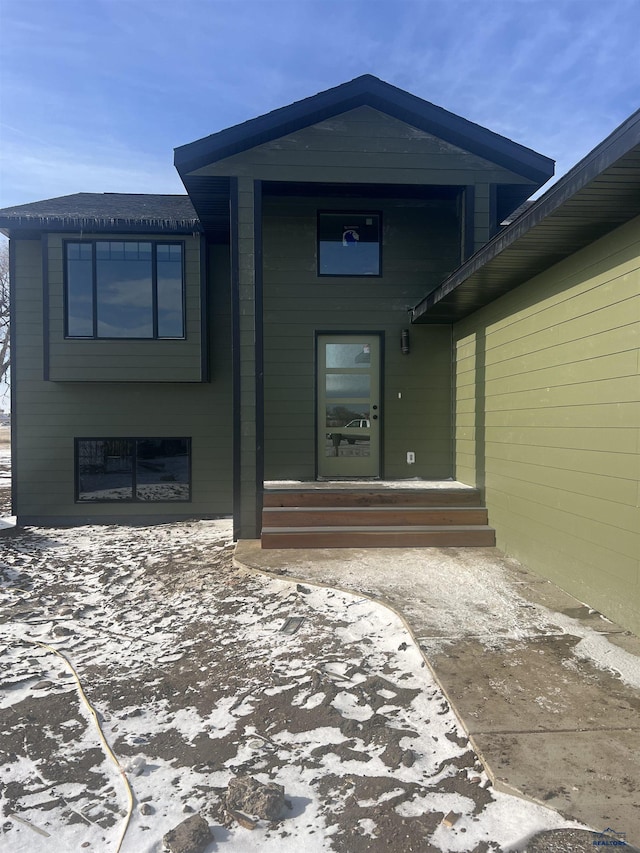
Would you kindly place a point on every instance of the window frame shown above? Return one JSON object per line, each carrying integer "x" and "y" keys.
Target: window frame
{"x": 134, "y": 460}
{"x": 349, "y": 212}
{"x": 94, "y": 288}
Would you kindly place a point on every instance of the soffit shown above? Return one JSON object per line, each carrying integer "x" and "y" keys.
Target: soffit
{"x": 598, "y": 195}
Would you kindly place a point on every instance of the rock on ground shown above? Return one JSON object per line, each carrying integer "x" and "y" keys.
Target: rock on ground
{"x": 246, "y": 794}
{"x": 191, "y": 836}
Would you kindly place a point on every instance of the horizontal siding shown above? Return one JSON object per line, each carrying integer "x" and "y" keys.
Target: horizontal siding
{"x": 420, "y": 245}
{"x": 363, "y": 145}
{"x": 548, "y": 421}
{"x": 49, "y": 415}
{"x": 124, "y": 360}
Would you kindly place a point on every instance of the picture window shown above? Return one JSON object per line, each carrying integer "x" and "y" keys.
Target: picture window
{"x": 124, "y": 289}
{"x": 133, "y": 469}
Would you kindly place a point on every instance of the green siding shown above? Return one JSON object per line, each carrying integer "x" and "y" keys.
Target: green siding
{"x": 246, "y": 523}
{"x": 420, "y": 245}
{"x": 124, "y": 360}
{"x": 481, "y": 216}
{"x": 362, "y": 146}
{"x": 48, "y": 415}
{"x": 548, "y": 421}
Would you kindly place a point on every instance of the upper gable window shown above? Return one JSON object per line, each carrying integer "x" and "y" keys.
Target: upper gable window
{"x": 349, "y": 243}
{"x": 124, "y": 289}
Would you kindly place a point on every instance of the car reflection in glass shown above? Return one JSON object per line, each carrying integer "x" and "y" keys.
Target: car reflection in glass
{"x": 357, "y": 423}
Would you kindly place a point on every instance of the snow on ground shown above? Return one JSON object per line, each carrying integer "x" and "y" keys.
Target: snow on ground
{"x": 488, "y": 605}
{"x": 5, "y": 465}
{"x": 366, "y": 485}
{"x": 194, "y": 682}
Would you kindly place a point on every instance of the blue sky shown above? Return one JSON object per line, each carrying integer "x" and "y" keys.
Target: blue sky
{"x": 95, "y": 94}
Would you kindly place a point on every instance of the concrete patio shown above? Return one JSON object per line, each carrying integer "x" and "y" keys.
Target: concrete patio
{"x": 547, "y": 689}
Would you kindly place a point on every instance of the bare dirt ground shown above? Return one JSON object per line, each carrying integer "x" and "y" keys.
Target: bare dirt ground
{"x": 198, "y": 675}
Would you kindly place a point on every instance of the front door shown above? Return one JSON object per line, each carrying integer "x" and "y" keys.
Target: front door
{"x": 348, "y": 385}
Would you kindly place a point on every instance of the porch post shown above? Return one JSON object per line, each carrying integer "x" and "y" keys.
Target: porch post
{"x": 482, "y": 215}
{"x": 245, "y": 409}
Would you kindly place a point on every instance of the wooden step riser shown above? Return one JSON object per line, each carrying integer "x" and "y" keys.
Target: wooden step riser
{"x": 389, "y": 497}
{"x": 474, "y": 538}
{"x": 371, "y": 516}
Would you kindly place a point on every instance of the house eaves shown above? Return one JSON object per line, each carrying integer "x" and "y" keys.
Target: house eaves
{"x": 598, "y": 195}
{"x": 104, "y": 212}
{"x": 366, "y": 90}
{"x": 208, "y": 193}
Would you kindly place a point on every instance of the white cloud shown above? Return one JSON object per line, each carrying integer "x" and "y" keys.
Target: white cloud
{"x": 96, "y": 107}
{"x": 39, "y": 171}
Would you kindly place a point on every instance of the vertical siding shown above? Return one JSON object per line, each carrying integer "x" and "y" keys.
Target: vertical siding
{"x": 548, "y": 421}
{"x": 49, "y": 415}
{"x": 421, "y": 242}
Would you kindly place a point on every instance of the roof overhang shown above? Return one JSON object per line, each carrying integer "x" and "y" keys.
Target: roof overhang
{"x": 207, "y": 193}
{"x": 116, "y": 213}
{"x": 598, "y": 195}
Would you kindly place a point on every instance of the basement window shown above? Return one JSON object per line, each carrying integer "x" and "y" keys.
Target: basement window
{"x": 128, "y": 470}
{"x": 124, "y": 289}
{"x": 349, "y": 244}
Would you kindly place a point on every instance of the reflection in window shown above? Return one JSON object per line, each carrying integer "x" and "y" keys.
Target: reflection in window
{"x": 337, "y": 416}
{"x": 348, "y": 385}
{"x": 348, "y": 243}
{"x": 141, "y": 469}
{"x": 348, "y": 432}
{"x": 169, "y": 288}
{"x": 348, "y": 355}
{"x": 80, "y": 290}
{"x": 124, "y": 289}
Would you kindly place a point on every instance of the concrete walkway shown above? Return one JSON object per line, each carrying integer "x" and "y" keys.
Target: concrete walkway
{"x": 548, "y": 690}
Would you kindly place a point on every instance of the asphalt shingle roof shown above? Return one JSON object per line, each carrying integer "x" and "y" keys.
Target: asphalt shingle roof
{"x": 105, "y": 212}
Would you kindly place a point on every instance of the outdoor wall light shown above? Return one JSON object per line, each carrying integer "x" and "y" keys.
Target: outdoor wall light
{"x": 404, "y": 342}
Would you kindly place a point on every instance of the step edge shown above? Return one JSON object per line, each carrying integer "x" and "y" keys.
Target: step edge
{"x": 416, "y": 528}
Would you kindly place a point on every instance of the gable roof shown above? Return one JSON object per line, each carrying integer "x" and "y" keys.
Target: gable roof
{"x": 366, "y": 90}
{"x": 210, "y": 194}
{"x": 599, "y": 194}
{"x": 114, "y": 212}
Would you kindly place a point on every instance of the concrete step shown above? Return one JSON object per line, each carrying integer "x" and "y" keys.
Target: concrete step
{"x": 374, "y": 516}
{"x": 456, "y": 536}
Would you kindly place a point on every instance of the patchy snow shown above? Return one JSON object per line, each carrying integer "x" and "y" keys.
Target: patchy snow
{"x": 366, "y": 485}
{"x": 488, "y": 605}
{"x": 5, "y": 466}
{"x": 194, "y": 682}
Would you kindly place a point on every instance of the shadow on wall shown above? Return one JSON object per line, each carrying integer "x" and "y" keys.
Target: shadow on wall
{"x": 480, "y": 410}
{"x": 554, "y": 416}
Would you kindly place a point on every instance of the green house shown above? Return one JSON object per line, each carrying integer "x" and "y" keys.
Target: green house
{"x": 337, "y": 313}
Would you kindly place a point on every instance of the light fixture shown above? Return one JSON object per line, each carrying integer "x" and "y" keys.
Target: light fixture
{"x": 404, "y": 342}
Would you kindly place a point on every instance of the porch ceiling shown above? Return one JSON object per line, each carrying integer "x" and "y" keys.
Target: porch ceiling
{"x": 210, "y": 196}
{"x": 598, "y": 195}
